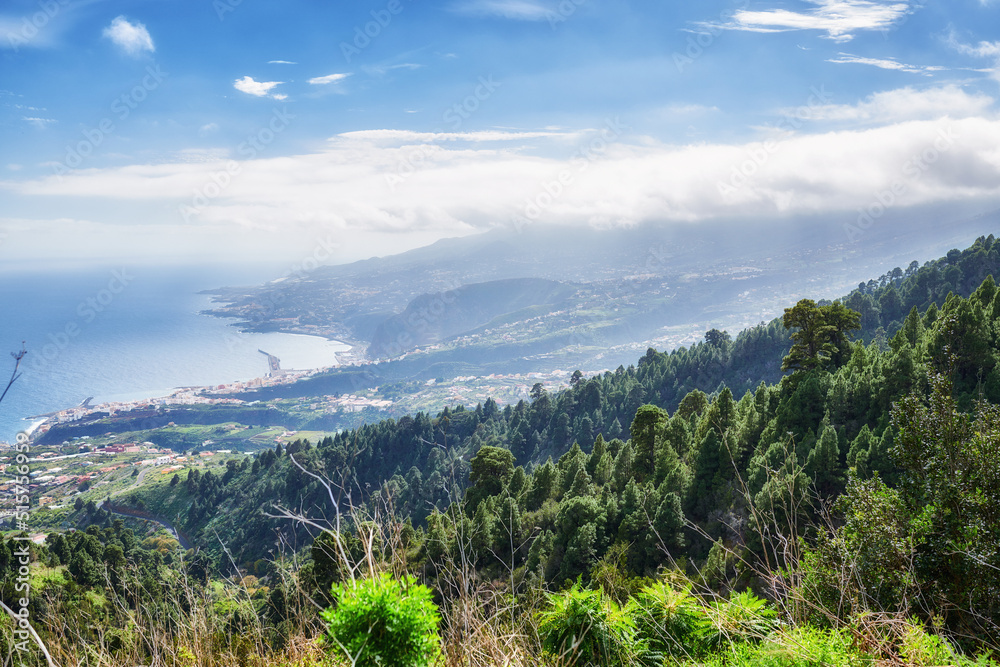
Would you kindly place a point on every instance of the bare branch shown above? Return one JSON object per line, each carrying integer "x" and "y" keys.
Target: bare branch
{"x": 14, "y": 374}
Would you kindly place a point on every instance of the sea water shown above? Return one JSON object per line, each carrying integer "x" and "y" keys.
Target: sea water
{"x": 129, "y": 332}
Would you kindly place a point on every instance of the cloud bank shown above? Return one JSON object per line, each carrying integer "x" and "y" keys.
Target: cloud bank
{"x": 409, "y": 184}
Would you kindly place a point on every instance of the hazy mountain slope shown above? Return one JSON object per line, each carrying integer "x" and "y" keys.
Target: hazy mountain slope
{"x": 348, "y": 302}
{"x": 433, "y": 317}
{"x": 753, "y": 356}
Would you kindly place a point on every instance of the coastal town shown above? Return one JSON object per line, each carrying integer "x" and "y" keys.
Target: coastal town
{"x": 464, "y": 390}
{"x": 60, "y": 477}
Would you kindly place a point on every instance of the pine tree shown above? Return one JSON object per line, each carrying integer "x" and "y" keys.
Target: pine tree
{"x": 648, "y": 421}
{"x": 820, "y": 336}
{"x": 823, "y": 463}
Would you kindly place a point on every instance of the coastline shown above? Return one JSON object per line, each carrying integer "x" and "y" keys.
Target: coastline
{"x": 210, "y": 394}
{"x": 291, "y": 326}
{"x": 151, "y": 340}
{"x": 243, "y": 327}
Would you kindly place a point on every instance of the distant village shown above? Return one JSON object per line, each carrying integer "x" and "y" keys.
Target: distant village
{"x": 86, "y": 466}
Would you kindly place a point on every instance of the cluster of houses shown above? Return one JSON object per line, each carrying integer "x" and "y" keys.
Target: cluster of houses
{"x": 54, "y": 476}
{"x": 354, "y": 403}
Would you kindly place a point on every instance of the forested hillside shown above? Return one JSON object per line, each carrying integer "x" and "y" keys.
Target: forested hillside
{"x": 422, "y": 456}
{"x": 849, "y": 476}
{"x": 644, "y": 456}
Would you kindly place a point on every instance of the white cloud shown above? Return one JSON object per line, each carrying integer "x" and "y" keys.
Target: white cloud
{"x": 520, "y": 10}
{"x": 329, "y": 78}
{"x": 983, "y": 50}
{"x": 207, "y": 129}
{"x": 281, "y": 62}
{"x": 133, "y": 38}
{"x": 900, "y": 104}
{"x": 839, "y": 19}
{"x": 885, "y": 63}
{"x": 348, "y": 188}
{"x": 40, "y": 123}
{"x": 980, "y": 50}
{"x": 258, "y": 88}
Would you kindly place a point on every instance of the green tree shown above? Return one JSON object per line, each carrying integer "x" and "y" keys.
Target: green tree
{"x": 820, "y": 336}
{"x": 580, "y": 532}
{"x": 490, "y": 470}
{"x": 596, "y": 454}
{"x": 693, "y": 403}
{"x": 615, "y": 430}
{"x": 114, "y": 558}
{"x": 199, "y": 565}
{"x": 622, "y": 471}
{"x": 867, "y": 564}
{"x": 718, "y": 339}
{"x": 84, "y": 569}
{"x": 647, "y": 422}
{"x": 823, "y": 462}
{"x": 951, "y": 488}
{"x": 581, "y": 485}
{"x": 709, "y": 475}
{"x": 543, "y": 483}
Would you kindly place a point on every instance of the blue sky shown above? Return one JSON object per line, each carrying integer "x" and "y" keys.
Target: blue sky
{"x": 166, "y": 130}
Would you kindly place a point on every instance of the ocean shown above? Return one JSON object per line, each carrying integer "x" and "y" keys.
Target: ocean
{"x": 129, "y": 332}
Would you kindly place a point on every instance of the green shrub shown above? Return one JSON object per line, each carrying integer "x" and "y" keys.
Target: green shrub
{"x": 808, "y": 647}
{"x": 666, "y": 619}
{"x": 923, "y": 649}
{"x": 743, "y": 618}
{"x": 384, "y": 622}
{"x": 800, "y": 647}
{"x": 583, "y": 627}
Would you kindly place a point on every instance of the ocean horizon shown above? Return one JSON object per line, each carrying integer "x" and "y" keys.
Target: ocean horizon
{"x": 130, "y": 333}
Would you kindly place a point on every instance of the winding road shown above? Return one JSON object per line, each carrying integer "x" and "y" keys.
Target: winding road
{"x": 166, "y": 524}
{"x": 163, "y": 522}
